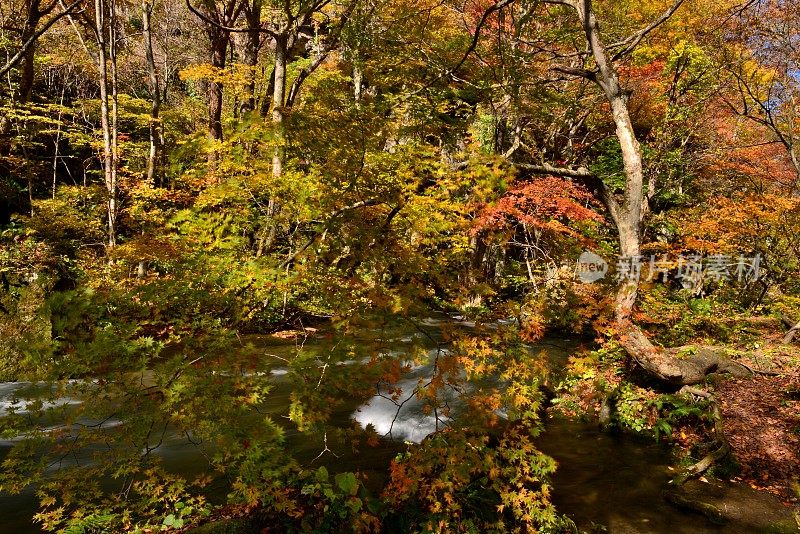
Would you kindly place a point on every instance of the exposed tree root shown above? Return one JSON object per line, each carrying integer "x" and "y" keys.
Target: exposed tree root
{"x": 721, "y": 446}
{"x": 793, "y": 327}
{"x": 713, "y": 513}
{"x": 670, "y": 366}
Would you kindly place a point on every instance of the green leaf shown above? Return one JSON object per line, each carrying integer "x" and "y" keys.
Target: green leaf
{"x": 322, "y": 474}
{"x": 347, "y": 482}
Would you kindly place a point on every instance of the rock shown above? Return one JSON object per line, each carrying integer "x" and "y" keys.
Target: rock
{"x": 733, "y": 504}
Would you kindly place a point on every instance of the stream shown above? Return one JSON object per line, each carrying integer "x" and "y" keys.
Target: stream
{"x": 602, "y": 478}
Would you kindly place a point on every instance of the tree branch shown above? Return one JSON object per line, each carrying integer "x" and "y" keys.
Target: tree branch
{"x": 633, "y": 41}
{"x": 364, "y": 203}
{"x": 234, "y": 29}
{"x": 33, "y": 38}
{"x": 586, "y": 177}
{"x": 546, "y": 168}
{"x": 475, "y": 39}
{"x": 333, "y": 40}
{"x": 590, "y": 75}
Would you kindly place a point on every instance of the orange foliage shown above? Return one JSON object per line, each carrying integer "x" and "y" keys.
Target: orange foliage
{"x": 744, "y": 153}
{"x": 548, "y": 203}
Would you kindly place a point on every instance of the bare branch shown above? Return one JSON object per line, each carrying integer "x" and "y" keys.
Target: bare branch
{"x": 472, "y": 46}
{"x": 332, "y": 42}
{"x": 33, "y": 38}
{"x": 633, "y": 41}
{"x": 234, "y": 29}
{"x": 546, "y": 168}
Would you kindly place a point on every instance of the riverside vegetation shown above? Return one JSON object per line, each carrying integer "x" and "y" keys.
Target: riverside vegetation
{"x": 246, "y": 225}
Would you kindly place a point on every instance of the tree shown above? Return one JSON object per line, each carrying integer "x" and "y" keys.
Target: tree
{"x": 104, "y": 29}
{"x": 763, "y": 56}
{"x": 218, "y": 17}
{"x": 251, "y": 48}
{"x": 628, "y": 212}
{"x": 154, "y": 174}
{"x": 29, "y": 34}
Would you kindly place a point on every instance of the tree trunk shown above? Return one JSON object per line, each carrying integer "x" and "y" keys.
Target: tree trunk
{"x": 358, "y": 82}
{"x": 278, "y": 83}
{"x": 108, "y": 158}
{"x": 27, "y": 51}
{"x": 266, "y": 103}
{"x": 219, "y": 40}
{"x": 154, "y": 154}
{"x": 219, "y": 49}
{"x": 791, "y": 333}
{"x": 627, "y": 217}
{"x": 57, "y": 144}
{"x": 29, "y": 33}
{"x": 27, "y": 67}
{"x": 252, "y": 45}
{"x": 112, "y": 33}
{"x": 278, "y": 100}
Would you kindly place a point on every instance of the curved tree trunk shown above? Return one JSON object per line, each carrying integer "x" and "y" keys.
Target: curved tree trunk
{"x": 627, "y": 217}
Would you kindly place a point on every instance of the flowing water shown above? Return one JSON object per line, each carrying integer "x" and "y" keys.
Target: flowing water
{"x": 604, "y": 479}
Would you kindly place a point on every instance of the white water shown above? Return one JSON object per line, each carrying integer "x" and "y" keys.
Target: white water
{"x": 403, "y": 418}
{"x": 11, "y": 402}
{"x": 407, "y": 416}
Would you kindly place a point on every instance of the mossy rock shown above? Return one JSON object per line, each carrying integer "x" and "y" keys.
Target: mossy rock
{"x": 735, "y": 504}
{"x": 787, "y": 526}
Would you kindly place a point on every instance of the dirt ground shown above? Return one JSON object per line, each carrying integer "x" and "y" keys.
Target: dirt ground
{"x": 761, "y": 417}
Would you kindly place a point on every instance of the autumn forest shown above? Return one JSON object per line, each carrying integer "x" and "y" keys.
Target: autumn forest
{"x": 400, "y": 266}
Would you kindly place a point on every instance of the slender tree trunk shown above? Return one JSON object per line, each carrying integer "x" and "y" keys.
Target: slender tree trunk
{"x": 278, "y": 100}
{"x": 358, "y": 82}
{"x": 57, "y": 144}
{"x": 113, "y": 38}
{"x": 155, "y": 127}
{"x": 252, "y": 45}
{"x": 154, "y": 154}
{"x": 108, "y": 157}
